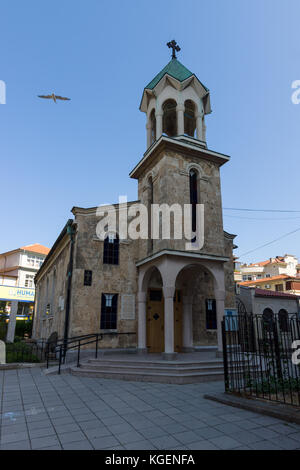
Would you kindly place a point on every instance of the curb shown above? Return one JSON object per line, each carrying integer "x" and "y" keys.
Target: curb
{"x": 275, "y": 410}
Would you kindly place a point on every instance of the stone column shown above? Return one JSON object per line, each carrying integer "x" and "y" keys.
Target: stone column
{"x": 199, "y": 127}
{"x": 180, "y": 119}
{"x": 10, "y": 336}
{"x": 159, "y": 124}
{"x": 169, "y": 353}
{"x": 220, "y": 307}
{"x": 148, "y": 127}
{"x": 142, "y": 301}
{"x": 187, "y": 324}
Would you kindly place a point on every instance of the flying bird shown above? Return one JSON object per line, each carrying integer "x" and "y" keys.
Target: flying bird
{"x": 54, "y": 97}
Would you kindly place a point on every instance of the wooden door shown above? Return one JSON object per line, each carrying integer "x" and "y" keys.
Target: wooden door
{"x": 177, "y": 321}
{"x": 155, "y": 321}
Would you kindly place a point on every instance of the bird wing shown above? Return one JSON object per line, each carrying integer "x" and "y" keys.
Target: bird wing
{"x": 45, "y": 96}
{"x": 62, "y": 98}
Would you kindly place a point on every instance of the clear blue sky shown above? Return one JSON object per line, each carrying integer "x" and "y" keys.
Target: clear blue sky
{"x": 102, "y": 54}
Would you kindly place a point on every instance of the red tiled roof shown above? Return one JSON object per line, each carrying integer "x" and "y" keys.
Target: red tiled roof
{"x": 268, "y": 293}
{"x": 278, "y": 259}
{"x": 36, "y": 248}
{"x": 266, "y": 279}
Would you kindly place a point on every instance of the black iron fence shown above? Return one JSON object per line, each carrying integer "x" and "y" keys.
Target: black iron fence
{"x": 262, "y": 356}
{"x": 26, "y": 351}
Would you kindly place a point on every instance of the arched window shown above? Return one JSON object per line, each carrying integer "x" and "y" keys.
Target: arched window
{"x": 268, "y": 317}
{"x": 194, "y": 197}
{"x": 153, "y": 127}
{"x": 170, "y": 118}
{"x": 111, "y": 249}
{"x": 283, "y": 319}
{"x": 189, "y": 118}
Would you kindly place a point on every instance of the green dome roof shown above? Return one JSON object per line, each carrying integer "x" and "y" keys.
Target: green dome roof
{"x": 173, "y": 68}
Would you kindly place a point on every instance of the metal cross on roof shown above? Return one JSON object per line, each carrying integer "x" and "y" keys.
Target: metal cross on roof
{"x": 174, "y": 46}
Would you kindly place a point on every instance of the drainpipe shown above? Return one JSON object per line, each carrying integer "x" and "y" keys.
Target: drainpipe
{"x": 71, "y": 233}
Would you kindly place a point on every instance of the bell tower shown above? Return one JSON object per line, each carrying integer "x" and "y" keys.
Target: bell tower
{"x": 175, "y": 103}
{"x": 177, "y": 167}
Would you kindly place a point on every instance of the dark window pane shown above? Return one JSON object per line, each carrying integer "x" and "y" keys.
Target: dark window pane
{"x": 111, "y": 250}
{"x": 109, "y": 309}
{"x": 211, "y": 314}
{"x": 87, "y": 278}
{"x": 155, "y": 295}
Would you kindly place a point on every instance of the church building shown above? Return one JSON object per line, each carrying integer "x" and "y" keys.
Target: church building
{"x": 151, "y": 294}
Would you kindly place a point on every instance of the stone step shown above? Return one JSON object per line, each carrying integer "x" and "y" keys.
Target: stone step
{"x": 118, "y": 367}
{"x": 145, "y": 376}
{"x": 157, "y": 364}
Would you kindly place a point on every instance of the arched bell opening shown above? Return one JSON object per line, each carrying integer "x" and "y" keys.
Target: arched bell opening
{"x": 170, "y": 118}
{"x": 189, "y": 118}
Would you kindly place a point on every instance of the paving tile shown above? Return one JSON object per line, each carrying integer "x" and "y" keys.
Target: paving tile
{"x": 264, "y": 445}
{"x": 106, "y": 442}
{"x": 128, "y": 437}
{"x": 15, "y": 437}
{"x": 225, "y": 442}
{"x": 186, "y": 437}
{"x": 153, "y": 432}
{"x": 286, "y": 443}
{"x": 47, "y": 441}
{"x": 63, "y": 428}
{"x": 42, "y": 432}
{"x": 208, "y": 432}
{"x": 141, "y": 445}
{"x": 98, "y": 432}
{"x": 245, "y": 437}
{"x": 120, "y": 428}
{"x": 202, "y": 445}
{"x": 81, "y": 445}
{"x": 165, "y": 442}
{"x": 20, "y": 445}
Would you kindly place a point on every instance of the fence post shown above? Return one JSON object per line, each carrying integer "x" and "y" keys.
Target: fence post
{"x": 225, "y": 360}
{"x": 277, "y": 349}
{"x": 60, "y": 355}
{"x": 78, "y": 355}
{"x": 96, "y": 355}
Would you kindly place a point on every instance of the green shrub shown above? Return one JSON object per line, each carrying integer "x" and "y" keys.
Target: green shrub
{"x": 20, "y": 352}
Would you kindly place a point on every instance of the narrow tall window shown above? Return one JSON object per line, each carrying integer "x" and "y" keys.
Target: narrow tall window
{"x": 283, "y": 319}
{"x": 189, "y": 118}
{"x": 153, "y": 126}
{"x": 109, "y": 309}
{"x": 87, "y": 277}
{"x": 194, "y": 197}
{"x": 111, "y": 249}
{"x": 211, "y": 314}
{"x": 170, "y": 118}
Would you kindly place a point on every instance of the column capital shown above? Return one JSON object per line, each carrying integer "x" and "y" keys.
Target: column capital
{"x": 169, "y": 292}
{"x": 220, "y": 295}
{"x": 142, "y": 296}
{"x": 159, "y": 113}
{"x": 180, "y": 107}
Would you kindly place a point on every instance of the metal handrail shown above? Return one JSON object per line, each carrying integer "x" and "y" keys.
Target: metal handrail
{"x": 76, "y": 342}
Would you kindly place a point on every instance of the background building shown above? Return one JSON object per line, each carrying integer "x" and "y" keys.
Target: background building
{"x": 17, "y": 271}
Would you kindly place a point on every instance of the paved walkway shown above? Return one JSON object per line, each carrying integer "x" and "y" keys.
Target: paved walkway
{"x": 67, "y": 412}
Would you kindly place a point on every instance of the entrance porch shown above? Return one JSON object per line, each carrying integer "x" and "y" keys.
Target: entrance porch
{"x": 167, "y": 292}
